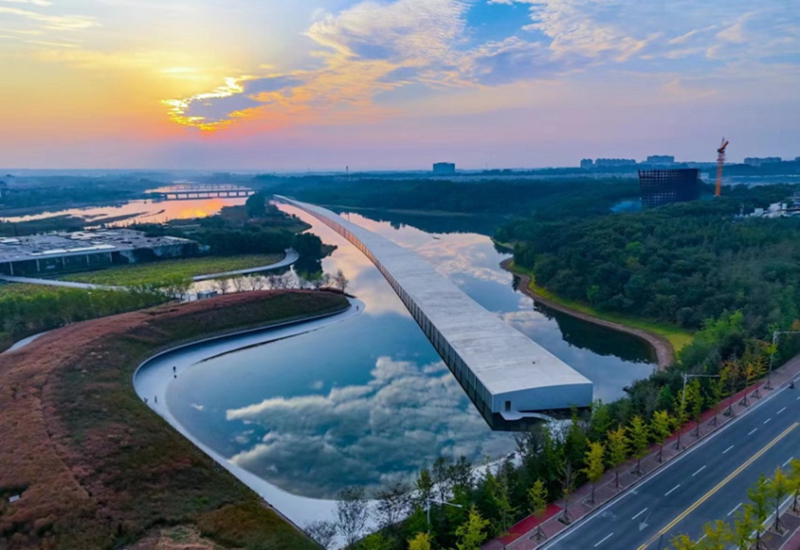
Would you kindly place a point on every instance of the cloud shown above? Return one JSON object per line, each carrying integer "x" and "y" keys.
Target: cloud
{"x": 42, "y": 3}
{"x": 317, "y": 445}
{"x": 54, "y": 22}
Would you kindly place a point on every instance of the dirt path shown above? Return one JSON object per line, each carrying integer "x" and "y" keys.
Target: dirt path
{"x": 665, "y": 353}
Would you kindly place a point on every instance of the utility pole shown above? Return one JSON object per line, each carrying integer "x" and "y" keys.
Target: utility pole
{"x": 775, "y": 350}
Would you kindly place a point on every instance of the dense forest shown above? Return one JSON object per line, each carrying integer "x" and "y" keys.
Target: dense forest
{"x": 496, "y": 196}
{"x": 683, "y": 263}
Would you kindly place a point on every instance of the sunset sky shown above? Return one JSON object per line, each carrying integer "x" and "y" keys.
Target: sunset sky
{"x": 393, "y": 84}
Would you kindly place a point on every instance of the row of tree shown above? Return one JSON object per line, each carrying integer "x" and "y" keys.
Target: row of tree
{"x": 749, "y": 524}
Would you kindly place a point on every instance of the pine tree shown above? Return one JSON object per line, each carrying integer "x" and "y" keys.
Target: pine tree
{"x": 595, "y": 467}
{"x": 617, "y": 450}
{"x": 537, "y": 499}
{"x": 660, "y": 428}
{"x": 638, "y": 436}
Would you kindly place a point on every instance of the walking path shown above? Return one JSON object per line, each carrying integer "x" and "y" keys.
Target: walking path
{"x": 522, "y": 535}
{"x": 291, "y": 257}
{"x": 665, "y": 353}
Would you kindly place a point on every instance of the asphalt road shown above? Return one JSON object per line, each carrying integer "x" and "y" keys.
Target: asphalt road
{"x": 708, "y": 482}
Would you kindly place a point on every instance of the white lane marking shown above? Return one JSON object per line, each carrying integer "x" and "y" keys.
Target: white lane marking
{"x": 604, "y": 539}
{"x": 701, "y": 538}
{"x": 787, "y": 462}
{"x": 728, "y": 449}
{"x": 670, "y": 491}
{"x": 754, "y": 431}
{"x": 734, "y": 509}
{"x": 643, "y": 511}
{"x": 780, "y": 411}
{"x": 698, "y": 471}
{"x": 767, "y": 420}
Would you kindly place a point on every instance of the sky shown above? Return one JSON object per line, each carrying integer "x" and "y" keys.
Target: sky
{"x": 280, "y": 85}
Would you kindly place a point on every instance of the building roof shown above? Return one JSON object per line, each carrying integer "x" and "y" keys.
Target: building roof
{"x": 501, "y": 357}
{"x": 36, "y": 247}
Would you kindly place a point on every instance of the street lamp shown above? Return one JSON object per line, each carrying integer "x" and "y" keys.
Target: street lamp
{"x": 774, "y": 351}
{"x": 428, "y": 506}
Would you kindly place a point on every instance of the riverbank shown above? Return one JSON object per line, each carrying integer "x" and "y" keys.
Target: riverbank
{"x": 665, "y": 341}
{"x": 94, "y": 467}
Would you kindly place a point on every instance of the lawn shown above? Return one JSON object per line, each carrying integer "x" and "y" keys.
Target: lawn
{"x": 95, "y": 466}
{"x": 156, "y": 272}
{"x": 678, "y": 337}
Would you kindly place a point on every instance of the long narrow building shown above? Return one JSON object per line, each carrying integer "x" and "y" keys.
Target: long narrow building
{"x": 503, "y": 371}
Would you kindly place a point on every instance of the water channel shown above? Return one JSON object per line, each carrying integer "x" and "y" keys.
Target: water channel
{"x": 367, "y": 400}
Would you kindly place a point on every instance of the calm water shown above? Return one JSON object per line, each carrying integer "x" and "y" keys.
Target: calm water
{"x": 368, "y": 400}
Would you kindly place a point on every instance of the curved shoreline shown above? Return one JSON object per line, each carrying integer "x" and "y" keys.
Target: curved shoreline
{"x": 152, "y": 377}
{"x": 665, "y": 353}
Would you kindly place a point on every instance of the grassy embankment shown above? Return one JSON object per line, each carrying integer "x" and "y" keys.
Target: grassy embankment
{"x": 96, "y": 467}
{"x": 155, "y": 272}
{"x": 678, "y": 337}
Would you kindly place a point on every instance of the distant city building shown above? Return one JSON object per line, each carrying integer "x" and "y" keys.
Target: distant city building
{"x": 660, "y": 159}
{"x": 587, "y": 164}
{"x": 613, "y": 163}
{"x": 758, "y": 161}
{"x": 661, "y": 187}
{"x": 3, "y": 189}
{"x": 444, "y": 169}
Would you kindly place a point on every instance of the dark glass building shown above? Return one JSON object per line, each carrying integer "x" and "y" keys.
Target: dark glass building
{"x": 661, "y": 187}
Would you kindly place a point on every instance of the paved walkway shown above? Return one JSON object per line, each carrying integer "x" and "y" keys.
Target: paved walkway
{"x": 54, "y": 282}
{"x": 291, "y": 257}
{"x": 522, "y": 535}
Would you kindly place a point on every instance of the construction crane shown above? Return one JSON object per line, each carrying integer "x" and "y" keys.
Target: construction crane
{"x": 720, "y": 164}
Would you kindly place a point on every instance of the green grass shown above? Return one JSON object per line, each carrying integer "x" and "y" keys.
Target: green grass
{"x": 24, "y": 289}
{"x": 156, "y": 272}
{"x": 676, "y": 336}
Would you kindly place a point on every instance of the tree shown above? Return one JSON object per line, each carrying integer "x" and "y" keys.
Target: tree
{"x": 424, "y": 486}
{"x": 660, "y": 428}
{"x": 617, "y": 450}
{"x": 351, "y": 514}
{"x": 694, "y": 403}
{"x": 681, "y": 416}
{"x": 717, "y": 536}
{"x": 422, "y": 541}
{"x": 392, "y": 505}
{"x": 794, "y": 480}
{"x": 684, "y": 542}
{"x": 716, "y": 393}
{"x": 440, "y": 478}
{"x": 340, "y": 281}
{"x": 638, "y": 438}
{"x": 471, "y": 534}
{"x": 595, "y": 467}
{"x": 778, "y": 488}
{"x": 567, "y": 488}
{"x": 256, "y": 205}
{"x": 744, "y": 525}
{"x": 729, "y": 375}
{"x": 323, "y": 532}
{"x": 759, "y": 496}
{"x": 600, "y": 422}
{"x": 501, "y": 492}
{"x": 537, "y": 501}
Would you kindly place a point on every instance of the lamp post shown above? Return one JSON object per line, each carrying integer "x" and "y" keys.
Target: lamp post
{"x": 428, "y": 506}
{"x": 774, "y": 351}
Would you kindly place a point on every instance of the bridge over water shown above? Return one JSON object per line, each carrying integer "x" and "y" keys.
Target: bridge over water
{"x": 185, "y": 192}
{"x": 502, "y": 371}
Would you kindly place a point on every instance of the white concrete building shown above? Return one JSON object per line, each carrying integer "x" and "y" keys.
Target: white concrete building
{"x": 502, "y": 370}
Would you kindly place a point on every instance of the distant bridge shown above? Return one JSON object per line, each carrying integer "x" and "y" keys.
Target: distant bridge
{"x": 502, "y": 371}
{"x": 194, "y": 192}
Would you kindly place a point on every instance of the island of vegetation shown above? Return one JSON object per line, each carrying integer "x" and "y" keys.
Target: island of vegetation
{"x": 95, "y": 468}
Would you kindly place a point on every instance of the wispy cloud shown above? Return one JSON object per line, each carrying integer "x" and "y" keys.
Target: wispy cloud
{"x": 53, "y": 22}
